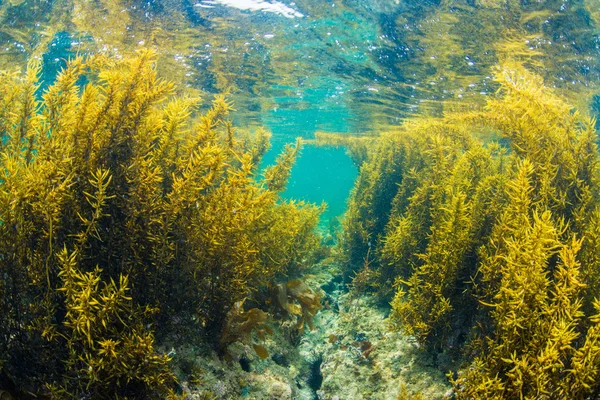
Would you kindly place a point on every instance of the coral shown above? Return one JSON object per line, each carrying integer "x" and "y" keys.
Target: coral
{"x": 111, "y": 177}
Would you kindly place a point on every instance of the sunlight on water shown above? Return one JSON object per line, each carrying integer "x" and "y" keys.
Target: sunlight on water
{"x": 254, "y": 5}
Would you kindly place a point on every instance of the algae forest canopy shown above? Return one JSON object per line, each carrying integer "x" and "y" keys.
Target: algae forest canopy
{"x": 310, "y": 199}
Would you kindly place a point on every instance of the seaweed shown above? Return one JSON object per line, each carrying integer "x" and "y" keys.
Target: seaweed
{"x": 128, "y": 218}
{"x": 299, "y": 301}
{"x": 240, "y": 325}
{"x": 484, "y": 222}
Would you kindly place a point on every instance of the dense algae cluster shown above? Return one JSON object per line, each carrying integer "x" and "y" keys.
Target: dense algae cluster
{"x": 126, "y": 216}
{"x": 485, "y": 223}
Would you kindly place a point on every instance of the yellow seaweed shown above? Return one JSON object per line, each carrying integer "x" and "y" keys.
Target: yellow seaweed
{"x": 490, "y": 240}
{"x": 126, "y": 214}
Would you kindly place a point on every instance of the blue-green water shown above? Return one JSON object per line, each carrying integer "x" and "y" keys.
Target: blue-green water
{"x": 338, "y": 66}
{"x": 320, "y": 174}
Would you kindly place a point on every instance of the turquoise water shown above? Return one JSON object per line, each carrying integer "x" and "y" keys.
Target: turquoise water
{"x": 320, "y": 174}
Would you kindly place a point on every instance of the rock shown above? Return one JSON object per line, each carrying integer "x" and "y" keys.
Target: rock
{"x": 281, "y": 391}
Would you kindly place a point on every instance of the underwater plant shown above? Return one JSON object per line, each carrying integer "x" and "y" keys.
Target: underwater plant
{"x": 485, "y": 223}
{"x": 298, "y": 300}
{"x": 125, "y": 216}
{"x": 241, "y": 324}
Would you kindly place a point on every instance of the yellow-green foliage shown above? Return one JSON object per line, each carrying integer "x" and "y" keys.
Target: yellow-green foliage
{"x": 109, "y": 177}
{"x": 487, "y": 222}
{"x": 535, "y": 348}
{"x": 405, "y": 395}
{"x": 106, "y": 343}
